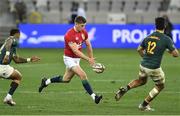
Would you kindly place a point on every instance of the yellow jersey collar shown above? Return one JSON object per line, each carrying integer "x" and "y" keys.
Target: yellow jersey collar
{"x": 160, "y": 31}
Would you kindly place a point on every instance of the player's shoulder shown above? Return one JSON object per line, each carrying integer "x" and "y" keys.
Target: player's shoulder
{"x": 150, "y": 35}
{"x": 85, "y": 33}
{"x": 167, "y": 38}
{"x": 69, "y": 32}
{"x": 9, "y": 39}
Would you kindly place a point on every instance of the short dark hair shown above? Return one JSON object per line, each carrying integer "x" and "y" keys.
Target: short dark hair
{"x": 160, "y": 23}
{"x": 14, "y": 31}
{"x": 80, "y": 19}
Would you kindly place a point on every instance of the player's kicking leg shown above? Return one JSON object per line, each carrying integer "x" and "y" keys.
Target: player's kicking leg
{"x": 16, "y": 77}
{"x": 78, "y": 70}
{"x": 121, "y": 92}
{"x": 57, "y": 79}
{"x": 135, "y": 83}
{"x": 45, "y": 82}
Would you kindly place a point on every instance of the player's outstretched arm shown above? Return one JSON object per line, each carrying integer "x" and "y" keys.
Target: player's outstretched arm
{"x": 74, "y": 48}
{"x": 174, "y": 53}
{"x": 89, "y": 49}
{"x": 18, "y": 59}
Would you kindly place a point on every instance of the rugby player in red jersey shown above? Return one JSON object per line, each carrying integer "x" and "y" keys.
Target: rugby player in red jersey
{"x": 72, "y": 55}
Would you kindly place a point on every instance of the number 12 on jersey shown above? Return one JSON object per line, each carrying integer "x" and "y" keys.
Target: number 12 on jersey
{"x": 151, "y": 47}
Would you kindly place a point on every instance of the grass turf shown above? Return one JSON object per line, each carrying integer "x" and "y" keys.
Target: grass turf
{"x": 122, "y": 66}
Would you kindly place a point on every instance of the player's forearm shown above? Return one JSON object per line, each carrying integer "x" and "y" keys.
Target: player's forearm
{"x": 21, "y": 60}
{"x": 90, "y": 52}
{"x": 81, "y": 55}
{"x": 175, "y": 53}
{"x": 141, "y": 53}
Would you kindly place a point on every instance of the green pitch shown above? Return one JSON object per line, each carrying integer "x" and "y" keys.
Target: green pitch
{"x": 70, "y": 99}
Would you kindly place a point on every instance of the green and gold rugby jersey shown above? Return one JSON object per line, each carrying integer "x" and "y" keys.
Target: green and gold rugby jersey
{"x": 155, "y": 45}
{"x": 10, "y": 43}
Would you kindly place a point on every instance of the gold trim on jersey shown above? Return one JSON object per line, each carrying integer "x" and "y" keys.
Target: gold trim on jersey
{"x": 160, "y": 31}
{"x": 154, "y": 37}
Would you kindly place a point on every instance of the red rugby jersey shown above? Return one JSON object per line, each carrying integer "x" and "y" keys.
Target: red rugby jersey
{"x": 75, "y": 37}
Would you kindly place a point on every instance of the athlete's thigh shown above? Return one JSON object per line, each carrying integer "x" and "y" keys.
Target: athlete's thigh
{"x": 143, "y": 73}
{"x": 68, "y": 75}
{"x": 79, "y": 72}
{"x": 158, "y": 76}
{"x": 71, "y": 62}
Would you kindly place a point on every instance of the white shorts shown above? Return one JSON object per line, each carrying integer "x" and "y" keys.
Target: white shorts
{"x": 70, "y": 62}
{"x": 6, "y": 71}
{"x": 157, "y": 75}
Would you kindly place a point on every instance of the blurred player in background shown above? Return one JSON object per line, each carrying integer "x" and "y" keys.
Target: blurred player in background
{"x": 169, "y": 26}
{"x": 151, "y": 50}
{"x": 7, "y": 54}
{"x": 74, "y": 38}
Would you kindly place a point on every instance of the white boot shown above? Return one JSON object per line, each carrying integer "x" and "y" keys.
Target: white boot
{"x": 8, "y": 100}
{"x": 145, "y": 108}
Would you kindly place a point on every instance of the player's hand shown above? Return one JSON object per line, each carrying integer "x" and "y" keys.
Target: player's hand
{"x": 35, "y": 59}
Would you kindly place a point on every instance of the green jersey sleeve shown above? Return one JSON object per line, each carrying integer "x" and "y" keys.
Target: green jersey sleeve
{"x": 170, "y": 45}
{"x": 143, "y": 43}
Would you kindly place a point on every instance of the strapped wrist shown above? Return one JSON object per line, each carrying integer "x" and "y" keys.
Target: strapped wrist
{"x": 7, "y": 53}
{"x": 28, "y": 59}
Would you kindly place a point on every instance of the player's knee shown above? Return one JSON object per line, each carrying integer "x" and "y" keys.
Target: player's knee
{"x": 143, "y": 81}
{"x": 66, "y": 81}
{"x": 83, "y": 76}
{"x": 19, "y": 77}
{"x": 160, "y": 87}
{"x": 16, "y": 75}
{"x": 66, "y": 78}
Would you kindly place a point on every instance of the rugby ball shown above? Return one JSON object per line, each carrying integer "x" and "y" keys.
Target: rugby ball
{"x": 98, "y": 68}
